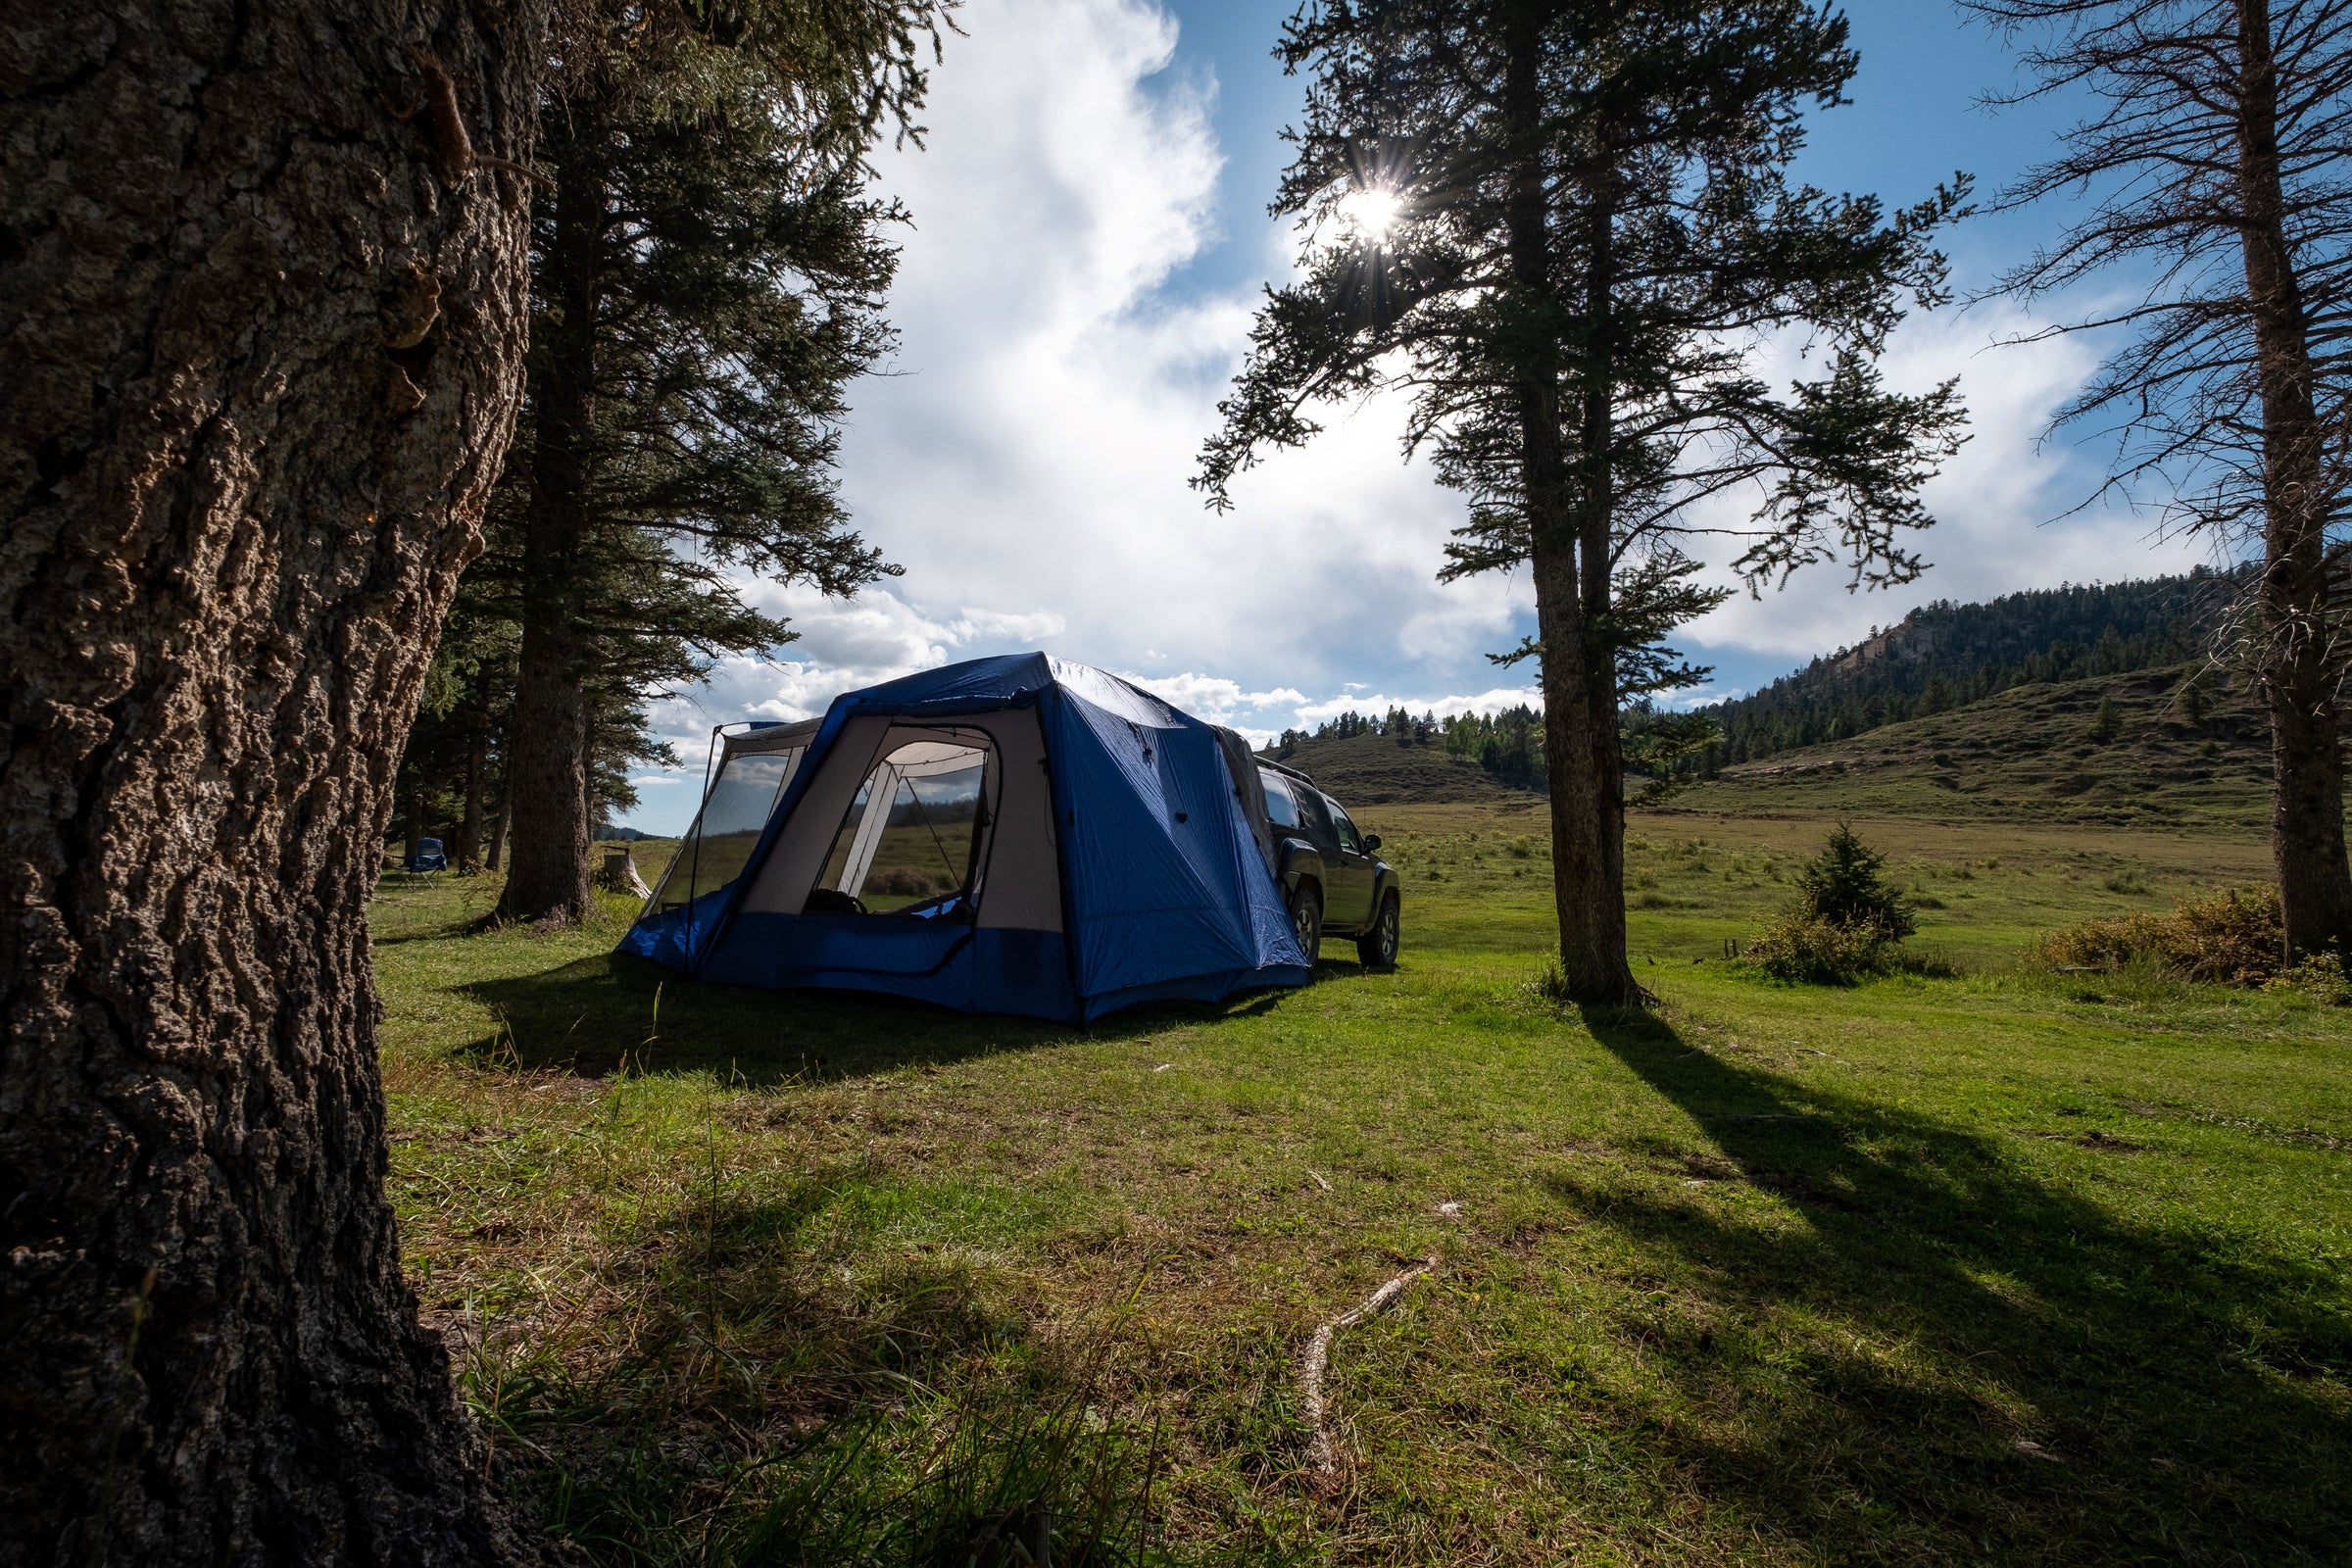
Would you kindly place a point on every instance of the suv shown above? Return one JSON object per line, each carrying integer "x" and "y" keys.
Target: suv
{"x": 1332, "y": 879}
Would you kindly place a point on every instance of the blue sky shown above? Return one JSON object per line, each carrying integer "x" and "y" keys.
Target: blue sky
{"x": 1089, "y": 236}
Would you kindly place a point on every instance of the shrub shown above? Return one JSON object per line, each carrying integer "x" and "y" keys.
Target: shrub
{"x": 2230, "y": 937}
{"x": 1804, "y": 950}
{"x": 910, "y": 881}
{"x": 2320, "y": 977}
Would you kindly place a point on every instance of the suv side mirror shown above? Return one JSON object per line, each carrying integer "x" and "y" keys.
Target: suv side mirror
{"x": 1371, "y": 842}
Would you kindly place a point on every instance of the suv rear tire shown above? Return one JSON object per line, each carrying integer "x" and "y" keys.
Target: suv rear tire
{"x": 1306, "y": 919}
{"x": 1377, "y": 947}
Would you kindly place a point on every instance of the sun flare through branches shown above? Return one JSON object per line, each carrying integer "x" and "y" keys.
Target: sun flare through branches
{"x": 1371, "y": 212}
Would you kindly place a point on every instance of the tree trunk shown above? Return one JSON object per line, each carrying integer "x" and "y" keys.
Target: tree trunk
{"x": 547, "y": 738}
{"x": 235, "y": 512}
{"x": 1592, "y": 765}
{"x": 465, "y": 853}
{"x": 498, "y": 826}
{"x": 414, "y": 831}
{"x": 1582, "y": 768}
{"x": 2299, "y": 662}
{"x": 1585, "y": 777}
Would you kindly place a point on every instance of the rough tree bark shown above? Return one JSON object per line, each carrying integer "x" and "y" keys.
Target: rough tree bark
{"x": 1568, "y": 525}
{"x": 2298, "y": 661}
{"x": 547, "y": 738}
{"x": 261, "y": 343}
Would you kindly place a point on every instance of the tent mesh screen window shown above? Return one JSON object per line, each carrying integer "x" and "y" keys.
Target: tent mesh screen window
{"x": 722, "y": 837}
{"x": 910, "y": 842}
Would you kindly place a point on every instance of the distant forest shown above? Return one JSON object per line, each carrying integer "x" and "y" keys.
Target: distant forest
{"x": 1508, "y": 744}
{"x": 1945, "y": 656}
{"x": 1940, "y": 657}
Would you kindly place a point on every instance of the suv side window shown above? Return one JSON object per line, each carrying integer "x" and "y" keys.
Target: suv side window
{"x": 1350, "y": 840}
{"x": 1317, "y": 820}
{"x": 1281, "y": 809}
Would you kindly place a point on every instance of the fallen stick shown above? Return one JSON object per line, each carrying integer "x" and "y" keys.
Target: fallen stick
{"x": 1323, "y": 1459}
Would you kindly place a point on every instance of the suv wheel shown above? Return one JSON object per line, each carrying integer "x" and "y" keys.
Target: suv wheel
{"x": 1307, "y": 920}
{"x": 1377, "y": 947}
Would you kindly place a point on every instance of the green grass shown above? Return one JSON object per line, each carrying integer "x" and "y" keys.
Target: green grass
{"x": 2007, "y": 1268}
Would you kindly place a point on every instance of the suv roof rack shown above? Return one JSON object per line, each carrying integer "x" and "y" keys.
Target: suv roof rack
{"x": 1298, "y": 773}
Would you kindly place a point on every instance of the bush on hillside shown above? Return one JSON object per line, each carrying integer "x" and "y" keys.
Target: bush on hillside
{"x": 2321, "y": 977}
{"x": 2228, "y": 937}
{"x": 910, "y": 882}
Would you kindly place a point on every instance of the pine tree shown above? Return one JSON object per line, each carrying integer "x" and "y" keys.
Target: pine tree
{"x": 450, "y": 768}
{"x": 1669, "y": 747}
{"x": 2193, "y": 697}
{"x": 1562, "y": 226}
{"x": 708, "y": 277}
{"x": 1846, "y": 886}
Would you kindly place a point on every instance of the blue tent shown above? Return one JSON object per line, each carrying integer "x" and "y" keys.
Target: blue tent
{"x": 1009, "y": 835}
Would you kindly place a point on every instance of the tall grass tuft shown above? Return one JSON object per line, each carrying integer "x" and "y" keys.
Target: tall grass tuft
{"x": 1001, "y": 1474}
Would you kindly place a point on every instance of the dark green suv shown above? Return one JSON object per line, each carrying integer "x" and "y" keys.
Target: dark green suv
{"x": 1333, "y": 878}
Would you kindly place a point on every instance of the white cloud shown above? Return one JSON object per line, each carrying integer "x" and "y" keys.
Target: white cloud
{"x": 1213, "y": 696}
{"x": 1026, "y": 460}
{"x": 843, "y": 644}
{"x": 1050, "y": 396}
{"x": 1994, "y": 503}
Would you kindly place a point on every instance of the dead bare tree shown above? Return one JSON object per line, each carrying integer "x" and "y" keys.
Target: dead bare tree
{"x": 2213, "y": 172}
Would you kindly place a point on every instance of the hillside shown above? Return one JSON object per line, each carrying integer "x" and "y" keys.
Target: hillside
{"x": 2025, "y": 754}
{"x": 1375, "y": 770}
{"x": 1946, "y": 656}
{"x": 2028, "y": 754}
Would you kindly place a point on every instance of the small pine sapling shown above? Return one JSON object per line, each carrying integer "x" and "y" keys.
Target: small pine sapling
{"x": 2192, "y": 701}
{"x": 1847, "y": 886}
{"x": 1846, "y": 923}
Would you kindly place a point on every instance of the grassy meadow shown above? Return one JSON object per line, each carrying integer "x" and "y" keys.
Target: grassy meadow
{"x": 2009, "y": 1268}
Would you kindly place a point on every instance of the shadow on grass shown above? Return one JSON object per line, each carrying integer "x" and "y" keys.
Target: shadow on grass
{"x": 727, "y": 1389}
{"x": 586, "y": 1016}
{"x": 1966, "y": 1363}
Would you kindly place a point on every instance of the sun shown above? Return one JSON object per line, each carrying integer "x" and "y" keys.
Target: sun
{"x": 1371, "y": 212}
